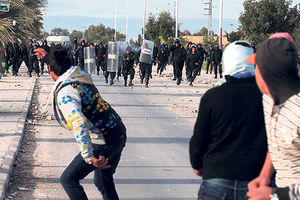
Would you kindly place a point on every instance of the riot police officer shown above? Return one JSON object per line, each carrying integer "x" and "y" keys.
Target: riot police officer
{"x": 33, "y": 60}
{"x": 74, "y": 51}
{"x": 47, "y": 49}
{"x": 178, "y": 54}
{"x": 188, "y": 70}
{"x": 162, "y": 60}
{"x": 209, "y": 55}
{"x": 216, "y": 61}
{"x": 16, "y": 58}
{"x": 24, "y": 55}
{"x": 100, "y": 57}
{"x": 128, "y": 62}
{"x": 81, "y": 54}
{"x": 201, "y": 52}
{"x": 193, "y": 61}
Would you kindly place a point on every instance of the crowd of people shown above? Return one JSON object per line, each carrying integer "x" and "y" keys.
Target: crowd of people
{"x": 192, "y": 58}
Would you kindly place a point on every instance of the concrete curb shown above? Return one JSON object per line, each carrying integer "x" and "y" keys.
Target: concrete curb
{"x": 15, "y": 143}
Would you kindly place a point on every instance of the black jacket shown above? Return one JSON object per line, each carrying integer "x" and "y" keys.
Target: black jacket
{"x": 178, "y": 53}
{"x": 162, "y": 57}
{"x": 128, "y": 63}
{"x": 101, "y": 53}
{"x": 193, "y": 60}
{"x": 202, "y": 53}
{"x": 217, "y": 56}
{"x": 229, "y": 139}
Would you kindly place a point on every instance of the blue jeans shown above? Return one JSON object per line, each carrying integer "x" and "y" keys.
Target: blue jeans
{"x": 78, "y": 169}
{"x": 223, "y": 189}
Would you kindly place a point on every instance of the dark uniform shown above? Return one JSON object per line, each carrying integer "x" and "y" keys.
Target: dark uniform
{"x": 100, "y": 56}
{"x": 128, "y": 62}
{"x": 33, "y": 60}
{"x": 209, "y": 55}
{"x": 178, "y": 56}
{"x": 81, "y": 54}
{"x": 16, "y": 58}
{"x": 162, "y": 60}
{"x": 75, "y": 51}
{"x": 47, "y": 49}
{"x": 201, "y": 52}
{"x": 8, "y": 55}
{"x": 193, "y": 61}
{"x": 155, "y": 53}
{"x": 24, "y": 55}
{"x": 145, "y": 71}
{"x": 217, "y": 58}
{"x": 188, "y": 69}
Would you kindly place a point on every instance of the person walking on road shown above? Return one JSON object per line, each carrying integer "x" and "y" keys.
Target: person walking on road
{"x": 276, "y": 61}
{"x": 97, "y": 127}
{"x": 229, "y": 144}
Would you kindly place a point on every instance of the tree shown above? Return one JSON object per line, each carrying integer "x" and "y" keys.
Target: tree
{"x": 28, "y": 17}
{"x": 59, "y": 32}
{"x": 77, "y": 34}
{"x": 160, "y": 29}
{"x": 265, "y": 17}
{"x": 203, "y": 32}
{"x": 233, "y": 36}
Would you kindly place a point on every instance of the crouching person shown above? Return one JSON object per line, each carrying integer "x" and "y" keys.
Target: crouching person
{"x": 229, "y": 143}
{"x": 98, "y": 129}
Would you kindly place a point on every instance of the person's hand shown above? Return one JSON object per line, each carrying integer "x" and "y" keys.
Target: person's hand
{"x": 196, "y": 64}
{"x": 73, "y": 57}
{"x": 197, "y": 172}
{"x": 101, "y": 162}
{"x": 261, "y": 193}
{"x": 40, "y": 53}
{"x": 258, "y": 182}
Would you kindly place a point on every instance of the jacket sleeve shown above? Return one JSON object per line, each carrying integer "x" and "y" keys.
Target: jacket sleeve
{"x": 199, "y": 140}
{"x": 69, "y": 103}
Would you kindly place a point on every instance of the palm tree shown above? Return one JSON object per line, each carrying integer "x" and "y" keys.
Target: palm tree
{"x": 28, "y": 16}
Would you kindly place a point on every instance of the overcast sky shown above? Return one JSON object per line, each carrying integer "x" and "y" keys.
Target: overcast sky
{"x": 105, "y": 8}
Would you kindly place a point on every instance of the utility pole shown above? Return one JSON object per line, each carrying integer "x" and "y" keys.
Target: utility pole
{"x": 144, "y": 21}
{"x": 220, "y": 24}
{"x": 127, "y": 21}
{"x": 115, "y": 21}
{"x": 176, "y": 29}
{"x": 209, "y": 9}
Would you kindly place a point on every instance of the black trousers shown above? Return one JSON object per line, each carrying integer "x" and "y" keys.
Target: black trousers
{"x": 128, "y": 71}
{"x": 16, "y": 63}
{"x": 209, "y": 63}
{"x": 178, "y": 69}
{"x": 78, "y": 169}
{"x": 218, "y": 66}
{"x": 100, "y": 65}
{"x": 194, "y": 72}
{"x": 8, "y": 63}
{"x": 145, "y": 72}
{"x": 161, "y": 66}
{"x": 34, "y": 65}
{"x": 26, "y": 61}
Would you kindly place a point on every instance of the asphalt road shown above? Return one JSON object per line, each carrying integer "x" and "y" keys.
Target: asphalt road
{"x": 154, "y": 164}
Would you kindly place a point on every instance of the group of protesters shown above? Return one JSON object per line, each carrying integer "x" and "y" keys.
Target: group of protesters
{"x": 246, "y": 137}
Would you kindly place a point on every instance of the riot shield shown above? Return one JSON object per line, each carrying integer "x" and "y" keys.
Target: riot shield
{"x": 112, "y": 57}
{"x": 146, "y": 52}
{"x": 89, "y": 60}
{"x": 122, "y": 49}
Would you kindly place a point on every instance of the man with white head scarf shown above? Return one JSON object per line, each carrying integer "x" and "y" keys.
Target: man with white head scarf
{"x": 229, "y": 143}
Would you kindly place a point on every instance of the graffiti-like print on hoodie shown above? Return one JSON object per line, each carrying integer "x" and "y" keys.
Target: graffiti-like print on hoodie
{"x": 79, "y": 107}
